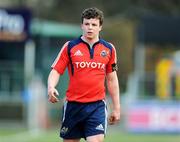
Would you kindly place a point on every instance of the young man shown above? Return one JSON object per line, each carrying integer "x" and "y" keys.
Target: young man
{"x": 90, "y": 60}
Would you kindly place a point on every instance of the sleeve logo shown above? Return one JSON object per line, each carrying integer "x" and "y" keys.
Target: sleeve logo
{"x": 114, "y": 67}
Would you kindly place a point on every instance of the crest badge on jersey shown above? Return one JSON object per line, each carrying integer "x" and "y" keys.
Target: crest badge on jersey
{"x": 104, "y": 53}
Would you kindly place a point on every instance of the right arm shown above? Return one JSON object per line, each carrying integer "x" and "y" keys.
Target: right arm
{"x": 58, "y": 68}
{"x": 52, "y": 82}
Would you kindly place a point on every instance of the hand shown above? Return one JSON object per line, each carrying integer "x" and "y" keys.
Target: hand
{"x": 53, "y": 93}
{"x": 114, "y": 117}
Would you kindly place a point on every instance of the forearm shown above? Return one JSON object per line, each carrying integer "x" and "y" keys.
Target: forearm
{"x": 113, "y": 89}
{"x": 53, "y": 79}
{"x": 52, "y": 82}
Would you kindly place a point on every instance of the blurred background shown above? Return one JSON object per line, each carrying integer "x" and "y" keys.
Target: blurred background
{"x": 146, "y": 34}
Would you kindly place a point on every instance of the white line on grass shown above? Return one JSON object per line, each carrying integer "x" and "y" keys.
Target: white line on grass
{"x": 21, "y": 137}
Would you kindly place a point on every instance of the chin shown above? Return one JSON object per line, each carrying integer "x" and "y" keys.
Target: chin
{"x": 89, "y": 37}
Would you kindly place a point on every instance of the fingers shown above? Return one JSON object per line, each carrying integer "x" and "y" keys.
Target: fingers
{"x": 53, "y": 93}
{"x": 113, "y": 119}
{"x": 56, "y": 93}
{"x": 53, "y": 98}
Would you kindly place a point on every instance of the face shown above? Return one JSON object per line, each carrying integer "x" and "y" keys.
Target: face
{"x": 91, "y": 28}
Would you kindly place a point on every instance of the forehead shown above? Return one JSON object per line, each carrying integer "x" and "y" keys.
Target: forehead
{"x": 91, "y": 20}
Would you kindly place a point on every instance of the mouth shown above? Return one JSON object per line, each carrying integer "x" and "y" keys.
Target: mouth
{"x": 89, "y": 32}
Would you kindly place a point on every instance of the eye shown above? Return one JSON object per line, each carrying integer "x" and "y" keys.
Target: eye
{"x": 86, "y": 24}
{"x": 94, "y": 25}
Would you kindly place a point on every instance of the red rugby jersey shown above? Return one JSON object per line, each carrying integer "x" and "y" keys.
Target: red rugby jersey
{"x": 87, "y": 68}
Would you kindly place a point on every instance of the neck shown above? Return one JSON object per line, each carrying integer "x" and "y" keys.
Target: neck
{"x": 89, "y": 40}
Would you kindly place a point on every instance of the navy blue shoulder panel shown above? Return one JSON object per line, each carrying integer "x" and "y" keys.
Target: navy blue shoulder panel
{"x": 71, "y": 44}
{"x": 106, "y": 44}
{"x": 74, "y": 42}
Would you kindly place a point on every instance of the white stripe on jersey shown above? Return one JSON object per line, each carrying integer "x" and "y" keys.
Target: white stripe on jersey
{"x": 115, "y": 52}
{"x": 57, "y": 58}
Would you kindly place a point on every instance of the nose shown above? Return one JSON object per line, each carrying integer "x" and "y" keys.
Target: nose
{"x": 90, "y": 26}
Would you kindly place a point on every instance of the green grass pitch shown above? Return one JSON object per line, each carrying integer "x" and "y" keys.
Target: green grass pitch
{"x": 113, "y": 136}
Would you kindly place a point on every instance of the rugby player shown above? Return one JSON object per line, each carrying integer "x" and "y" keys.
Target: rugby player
{"x": 90, "y": 61}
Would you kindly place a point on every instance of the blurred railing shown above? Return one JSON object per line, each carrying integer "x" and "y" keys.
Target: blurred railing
{"x": 11, "y": 81}
{"x": 147, "y": 85}
{"x": 11, "y": 92}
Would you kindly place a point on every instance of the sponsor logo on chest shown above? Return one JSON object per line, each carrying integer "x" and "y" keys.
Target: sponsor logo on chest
{"x": 90, "y": 65}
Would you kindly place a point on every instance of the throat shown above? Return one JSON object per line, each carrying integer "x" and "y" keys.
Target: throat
{"x": 90, "y": 41}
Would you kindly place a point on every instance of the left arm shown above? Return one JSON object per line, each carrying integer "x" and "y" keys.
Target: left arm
{"x": 113, "y": 89}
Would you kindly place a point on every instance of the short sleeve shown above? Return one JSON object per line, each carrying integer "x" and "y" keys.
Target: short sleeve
{"x": 62, "y": 60}
{"x": 112, "y": 64}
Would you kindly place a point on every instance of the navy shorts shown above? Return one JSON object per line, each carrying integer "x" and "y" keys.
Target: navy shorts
{"x": 81, "y": 120}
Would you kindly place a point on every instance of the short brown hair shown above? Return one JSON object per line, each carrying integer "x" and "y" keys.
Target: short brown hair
{"x": 92, "y": 12}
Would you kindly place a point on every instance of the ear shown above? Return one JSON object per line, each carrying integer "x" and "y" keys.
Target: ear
{"x": 81, "y": 26}
{"x": 100, "y": 28}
